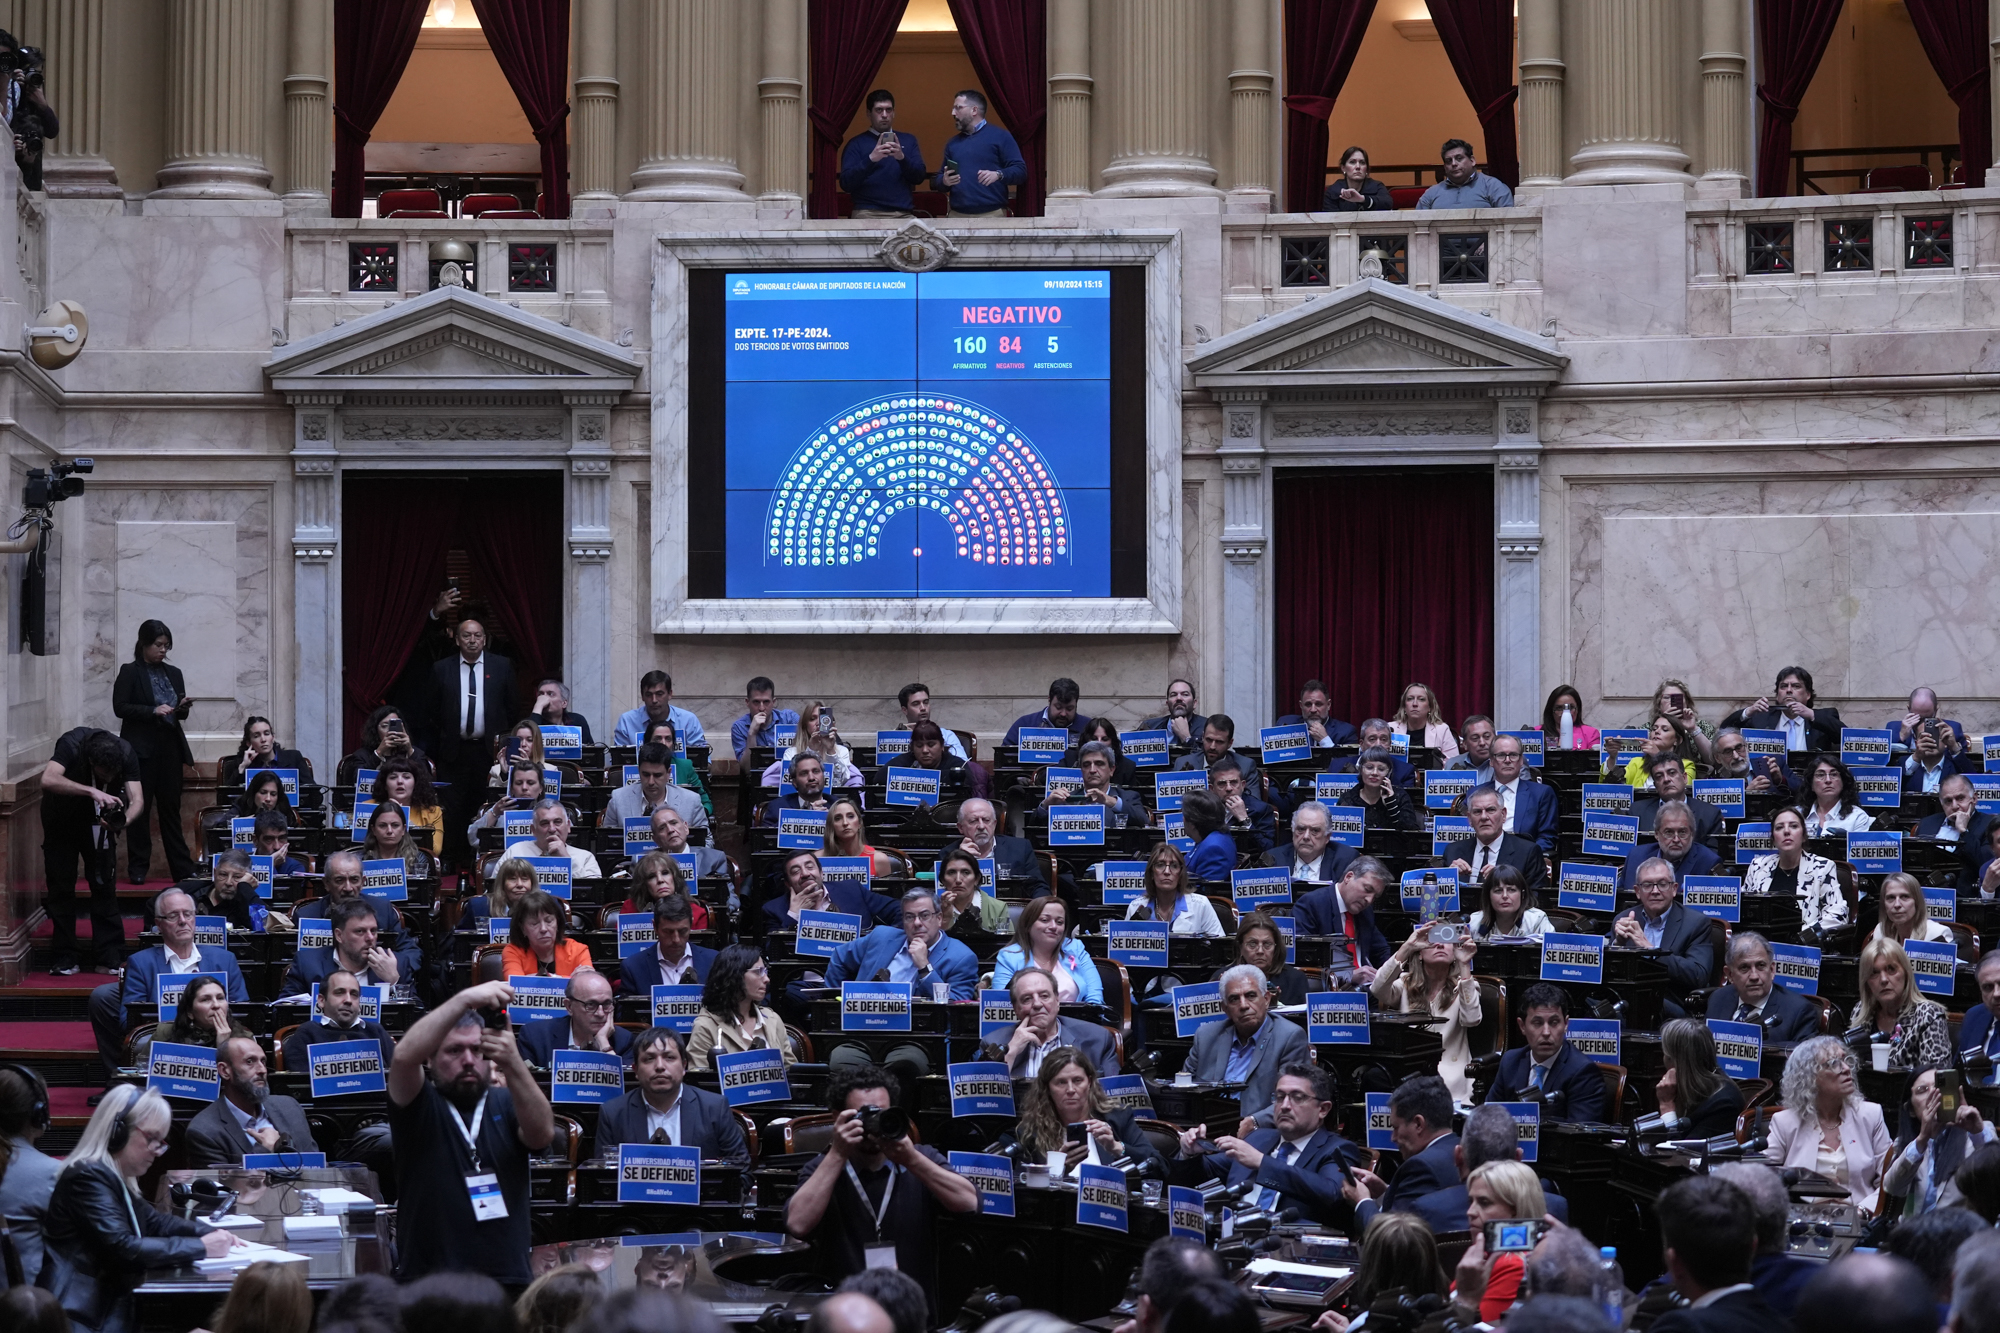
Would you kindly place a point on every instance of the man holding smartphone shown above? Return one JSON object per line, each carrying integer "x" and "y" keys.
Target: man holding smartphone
{"x": 880, "y": 165}
{"x": 980, "y": 162}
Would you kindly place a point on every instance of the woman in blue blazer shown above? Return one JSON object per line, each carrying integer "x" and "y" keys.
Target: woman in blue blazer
{"x": 1041, "y": 940}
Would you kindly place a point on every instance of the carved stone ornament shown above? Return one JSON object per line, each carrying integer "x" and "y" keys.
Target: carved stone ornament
{"x": 1319, "y": 425}
{"x": 589, "y": 426}
{"x": 1242, "y": 425}
{"x": 381, "y": 429}
{"x": 917, "y": 248}
{"x": 313, "y": 428}
{"x": 1517, "y": 421}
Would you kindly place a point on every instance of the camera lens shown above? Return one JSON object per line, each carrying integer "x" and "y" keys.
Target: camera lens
{"x": 886, "y": 1123}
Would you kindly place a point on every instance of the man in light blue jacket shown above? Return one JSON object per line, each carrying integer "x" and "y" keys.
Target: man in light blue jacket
{"x": 1464, "y": 184}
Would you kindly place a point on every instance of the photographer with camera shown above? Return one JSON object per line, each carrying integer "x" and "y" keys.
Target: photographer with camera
{"x": 29, "y": 114}
{"x": 1432, "y": 971}
{"x": 462, "y": 1143}
{"x": 84, "y": 807}
{"x": 853, "y": 1205}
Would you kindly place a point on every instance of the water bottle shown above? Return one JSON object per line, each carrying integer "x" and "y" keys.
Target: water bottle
{"x": 1568, "y": 729}
{"x": 1609, "y": 1288}
{"x": 1429, "y": 908}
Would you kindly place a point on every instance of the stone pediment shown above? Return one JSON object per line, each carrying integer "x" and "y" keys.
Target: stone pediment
{"x": 452, "y": 339}
{"x": 1375, "y": 334}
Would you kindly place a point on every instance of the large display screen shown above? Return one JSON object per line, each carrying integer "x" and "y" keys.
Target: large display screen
{"x": 917, "y": 435}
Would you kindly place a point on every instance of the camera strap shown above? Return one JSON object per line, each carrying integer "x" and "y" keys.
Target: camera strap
{"x": 888, "y": 1193}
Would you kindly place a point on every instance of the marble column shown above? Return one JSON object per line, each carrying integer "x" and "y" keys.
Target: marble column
{"x": 1159, "y": 126}
{"x": 1541, "y": 92}
{"x": 587, "y": 644}
{"x": 1725, "y": 172}
{"x": 1246, "y": 505}
{"x": 1250, "y": 84}
{"x": 73, "y": 163}
{"x": 309, "y": 109}
{"x": 1069, "y": 98}
{"x": 215, "y": 85}
{"x": 1517, "y": 580}
{"x": 691, "y": 70}
{"x": 1626, "y": 61}
{"x": 594, "y": 155}
{"x": 317, "y": 708}
{"x": 781, "y": 96}
{"x": 1993, "y": 67}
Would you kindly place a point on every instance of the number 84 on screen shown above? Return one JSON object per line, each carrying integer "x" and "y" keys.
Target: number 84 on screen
{"x": 1007, "y": 343}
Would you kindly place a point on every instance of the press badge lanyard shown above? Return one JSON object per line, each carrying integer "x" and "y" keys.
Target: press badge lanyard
{"x": 878, "y": 1255}
{"x": 487, "y": 1203}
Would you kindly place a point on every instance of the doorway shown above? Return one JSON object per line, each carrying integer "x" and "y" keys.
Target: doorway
{"x": 405, "y": 537}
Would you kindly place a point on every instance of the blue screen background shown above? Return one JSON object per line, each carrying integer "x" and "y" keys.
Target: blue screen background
{"x": 930, "y": 435}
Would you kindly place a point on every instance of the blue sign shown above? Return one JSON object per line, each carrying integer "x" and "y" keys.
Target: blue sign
{"x": 585, "y": 1077}
{"x": 1445, "y": 830}
{"x": 1609, "y": 835}
{"x": 283, "y": 1161}
{"x": 1739, "y": 1047}
{"x": 996, "y": 1013}
{"x": 635, "y": 933}
{"x": 1288, "y": 930}
{"x": 1531, "y": 746}
{"x": 1328, "y": 788}
{"x": 1941, "y": 904}
{"x": 1059, "y": 784}
{"x": 1864, "y": 748}
{"x": 1875, "y": 853}
{"x": 659, "y": 1173}
{"x": 1878, "y": 788}
{"x": 1765, "y": 741}
{"x": 1100, "y": 1197}
{"x": 289, "y": 779}
{"x": 912, "y": 786}
{"x": 1578, "y": 958}
{"x": 262, "y": 870}
{"x": 343, "y": 1068}
{"x": 1753, "y": 841}
{"x": 168, "y": 987}
{"x": 891, "y": 745}
{"x": 1337, "y": 1018}
{"x": 1284, "y": 744}
{"x": 991, "y": 1176}
{"x": 1443, "y": 786}
{"x": 874, "y": 1006}
{"x": 516, "y": 825}
{"x": 537, "y": 997}
{"x": 562, "y": 742}
{"x": 802, "y": 828}
{"x": 386, "y": 879}
{"x": 551, "y": 874}
{"x": 1985, "y": 789}
{"x": 1989, "y": 748}
{"x": 855, "y": 871}
{"x": 821, "y": 934}
{"x": 1196, "y": 1006}
{"x": 1124, "y": 882}
{"x": 371, "y": 1000}
{"x": 1380, "y": 1137}
{"x": 1187, "y": 1214}
{"x": 1168, "y": 788}
{"x": 242, "y": 831}
{"x": 750, "y": 1077}
{"x": 638, "y": 837}
{"x": 188, "y": 1072}
{"x": 1582, "y": 887}
{"x": 1251, "y": 889}
{"x": 1719, "y": 897}
{"x": 1599, "y": 1039}
{"x": 982, "y": 1087}
{"x": 1127, "y": 1092}
{"x": 212, "y": 930}
{"x": 1174, "y": 829}
{"x": 1607, "y": 798}
{"x": 1442, "y": 894}
{"x": 1146, "y": 749}
{"x": 1136, "y": 943}
{"x": 1042, "y": 745}
{"x": 1935, "y": 966}
{"x": 676, "y": 1007}
{"x": 1076, "y": 826}
{"x": 1796, "y": 967}
{"x": 1725, "y": 794}
{"x": 1527, "y": 1127}
{"x": 1346, "y": 826}
{"x": 316, "y": 932}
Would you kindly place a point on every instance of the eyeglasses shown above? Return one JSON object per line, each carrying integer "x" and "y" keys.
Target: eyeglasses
{"x": 177, "y": 916}
{"x": 1288, "y": 1096}
{"x": 913, "y": 918}
{"x": 595, "y": 1006}
{"x": 154, "y": 1141}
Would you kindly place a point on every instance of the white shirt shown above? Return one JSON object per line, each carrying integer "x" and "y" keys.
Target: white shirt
{"x": 475, "y": 685}
{"x": 1307, "y": 869}
{"x": 1489, "y": 850}
{"x": 673, "y": 974}
{"x": 669, "y": 1120}
{"x": 177, "y": 964}
{"x": 1506, "y": 790}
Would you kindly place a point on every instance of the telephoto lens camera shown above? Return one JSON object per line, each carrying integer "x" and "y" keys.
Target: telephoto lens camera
{"x": 885, "y": 1124}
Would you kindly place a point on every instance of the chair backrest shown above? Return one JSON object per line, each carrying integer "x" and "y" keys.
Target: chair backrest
{"x": 1406, "y": 196}
{"x": 1452, "y": 1246}
{"x": 1718, "y": 946}
{"x": 1844, "y": 872}
{"x": 749, "y": 1128}
{"x": 809, "y": 1133}
{"x": 572, "y": 1132}
{"x": 488, "y": 965}
{"x": 475, "y": 204}
{"x": 1906, "y": 177}
{"x": 278, "y": 1044}
{"x": 1614, "y": 1088}
{"x": 1825, "y": 1004}
{"x": 1162, "y": 1136}
{"x": 802, "y": 1045}
{"x": 1490, "y": 1037}
{"x": 1117, "y": 984}
{"x": 1967, "y": 940}
{"x": 969, "y": 743}
{"x": 1225, "y": 912}
{"x": 399, "y": 201}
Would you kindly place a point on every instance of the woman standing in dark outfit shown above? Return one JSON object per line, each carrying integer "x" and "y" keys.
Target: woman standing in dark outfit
{"x": 150, "y": 698}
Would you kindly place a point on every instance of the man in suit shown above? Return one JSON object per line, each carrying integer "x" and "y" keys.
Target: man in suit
{"x": 1218, "y": 741}
{"x": 1316, "y": 712}
{"x": 151, "y": 699}
{"x": 1490, "y": 845}
{"x": 1709, "y": 1230}
{"x": 341, "y": 880}
{"x": 1732, "y": 760}
{"x": 355, "y": 948}
{"x": 246, "y": 1117}
{"x": 1013, "y": 858}
{"x": 339, "y": 1020}
{"x": 472, "y": 701}
{"x": 586, "y": 1027}
{"x": 1346, "y": 910}
{"x": 1670, "y": 784}
{"x": 670, "y": 834}
{"x": 1490, "y": 1136}
{"x": 672, "y": 961}
{"x": 1060, "y": 712}
{"x": 1548, "y": 1069}
{"x": 1376, "y": 734}
{"x": 806, "y": 891}
{"x": 552, "y": 709}
{"x": 1530, "y": 807}
{"x": 1790, "y": 708}
{"x": 1979, "y": 1035}
{"x": 1659, "y": 922}
{"x": 1297, "y": 1163}
{"x": 1874, "y": 1293}
{"x": 30, "y": 1177}
{"x": 1181, "y": 723}
{"x": 1241, "y": 807}
{"x": 1777, "y": 1276}
{"x": 1673, "y": 842}
{"x": 1975, "y": 1285}
{"x": 112, "y": 1008}
{"x": 1311, "y": 855}
{"x": 654, "y": 789}
{"x": 1476, "y": 736}
{"x": 1042, "y": 1028}
{"x": 808, "y": 791}
{"x": 1751, "y": 993}
{"x": 1420, "y": 1121}
{"x": 918, "y": 952}
{"x": 1097, "y": 762}
{"x": 664, "y": 1109}
{"x": 1930, "y": 761}
{"x": 1249, "y": 1046}
{"x": 1961, "y": 823}
{"x": 1924, "y": 707}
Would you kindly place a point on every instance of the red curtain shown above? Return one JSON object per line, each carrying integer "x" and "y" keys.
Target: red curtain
{"x": 1478, "y": 36}
{"x": 1954, "y": 34}
{"x": 1321, "y": 37}
{"x": 393, "y": 540}
{"x": 530, "y": 40}
{"x": 846, "y": 42}
{"x": 520, "y": 564}
{"x": 372, "y": 41}
{"x": 1791, "y": 36}
{"x": 1368, "y": 604}
{"x": 1007, "y": 41}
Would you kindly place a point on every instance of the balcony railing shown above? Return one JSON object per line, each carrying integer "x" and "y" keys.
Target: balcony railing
{"x": 1810, "y": 180}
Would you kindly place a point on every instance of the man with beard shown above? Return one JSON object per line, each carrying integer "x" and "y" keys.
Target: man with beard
{"x": 462, "y": 1143}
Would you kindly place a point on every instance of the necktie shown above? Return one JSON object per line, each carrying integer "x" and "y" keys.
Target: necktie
{"x": 471, "y": 702}
{"x": 1267, "y": 1198}
{"x": 660, "y": 1135}
{"x": 1745, "y": 1014}
{"x": 1485, "y": 859}
{"x": 1537, "y": 1076}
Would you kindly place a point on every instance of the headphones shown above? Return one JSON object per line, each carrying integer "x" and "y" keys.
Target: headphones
{"x": 38, "y": 1094}
{"x": 121, "y": 1133}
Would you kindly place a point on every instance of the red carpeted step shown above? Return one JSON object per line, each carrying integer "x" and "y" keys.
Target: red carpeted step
{"x": 71, "y": 1105}
{"x": 49, "y": 984}
{"x": 46, "y": 929}
{"x": 46, "y": 1038}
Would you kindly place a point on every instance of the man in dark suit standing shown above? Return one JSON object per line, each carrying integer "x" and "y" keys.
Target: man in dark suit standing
{"x": 1709, "y": 1230}
{"x": 1548, "y": 1069}
{"x": 664, "y": 1109}
{"x": 1961, "y": 823}
{"x": 472, "y": 701}
{"x": 1979, "y": 1036}
{"x": 1420, "y": 1121}
{"x": 1489, "y": 846}
{"x": 1043, "y": 1029}
{"x": 1751, "y": 994}
{"x": 1346, "y": 911}
{"x": 151, "y": 700}
{"x": 1659, "y": 922}
{"x": 246, "y": 1117}
{"x": 1297, "y": 1163}
{"x": 1790, "y": 708}
{"x": 586, "y": 1027}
